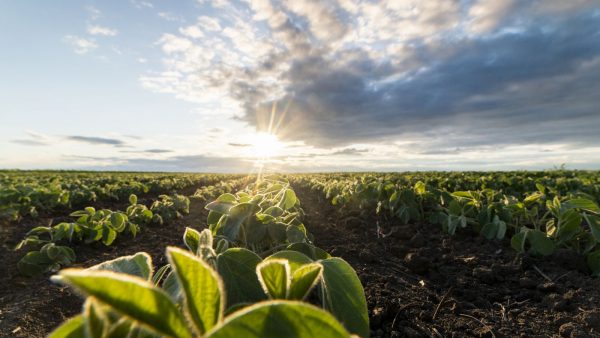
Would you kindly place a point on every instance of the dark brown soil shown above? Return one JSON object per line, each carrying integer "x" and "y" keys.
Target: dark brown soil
{"x": 419, "y": 282}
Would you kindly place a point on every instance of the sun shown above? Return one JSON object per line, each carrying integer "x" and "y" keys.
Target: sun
{"x": 264, "y": 145}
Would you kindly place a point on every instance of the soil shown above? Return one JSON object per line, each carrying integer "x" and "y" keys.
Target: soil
{"x": 419, "y": 282}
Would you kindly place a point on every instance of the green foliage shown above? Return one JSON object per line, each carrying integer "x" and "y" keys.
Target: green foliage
{"x": 118, "y": 302}
{"x": 539, "y": 211}
{"x": 27, "y": 193}
{"x": 264, "y": 216}
{"x": 92, "y": 225}
{"x": 49, "y": 258}
{"x": 216, "y": 291}
{"x": 237, "y": 266}
{"x": 168, "y": 208}
{"x": 277, "y": 319}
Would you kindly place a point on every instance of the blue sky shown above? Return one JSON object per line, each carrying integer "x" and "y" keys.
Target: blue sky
{"x": 346, "y": 84}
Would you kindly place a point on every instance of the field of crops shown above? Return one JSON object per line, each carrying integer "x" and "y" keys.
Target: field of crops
{"x": 419, "y": 254}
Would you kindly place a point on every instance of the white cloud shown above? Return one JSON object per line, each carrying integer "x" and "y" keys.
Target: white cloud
{"x": 94, "y": 13}
{"x": 209, "y": 24}
{"x": 80, "y": 45}
{"x": 100, "y": 30}
{"x": 168, "y": 16}
{"x": 174, "y": 44}
{"x": 142, "y": 60}
{"x": 192, "y": 31}
{"x": 142, "y": 4}
{"x": 486, "y": 15}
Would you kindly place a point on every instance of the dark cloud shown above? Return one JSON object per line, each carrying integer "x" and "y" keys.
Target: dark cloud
{"x": 96, "y": 140}
{"x": 189, "y": 163}
{"x": 239, "y": 144}
{"x": 532, "y": 83}
{"x": 349, "y": 151}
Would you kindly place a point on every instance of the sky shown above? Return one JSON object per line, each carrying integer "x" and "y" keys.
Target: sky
{"x": 300, "y": 86}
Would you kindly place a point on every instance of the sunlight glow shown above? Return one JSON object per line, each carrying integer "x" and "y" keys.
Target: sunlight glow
{"x": 264, "y": 146}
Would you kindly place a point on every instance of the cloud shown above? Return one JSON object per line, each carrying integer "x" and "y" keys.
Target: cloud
{"x": 149, "y": 151}
{"x": 96, "y": 140}
{"x": 349, "y": 151}
{"x": 185, "y": 163}
{"x": 34, "y": 139}
{"x": 80, "y": 45}
{"x": 93, "y": 12}
{"x": 209, "y": 24}
{"x": 100, "y": 30}
{"x": 140, "y": 4}
{"x": 168, "y": 16}
{"x": 445, "y": 75}
{"x": 27, "y": 142}
{"x": 239, "y": 144}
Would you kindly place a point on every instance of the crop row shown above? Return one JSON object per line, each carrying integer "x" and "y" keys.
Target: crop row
{"x": 28, "y": 193}
{"x": 254, "y": 272}
{"x": 49, "y": 246}
{"x": 540, "y": 212}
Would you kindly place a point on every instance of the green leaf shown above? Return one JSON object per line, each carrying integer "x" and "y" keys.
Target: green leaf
{"x": 171, "y": 287}
{"x": 274, "y": 211}
{"x": 294, "y": 258}
{"x": 213, "y": 217}
{"x": 277, "y": 231}
{"x": 202, "y": 287}
{"x": 569, "y": 225}
{"x": 518, "y": 241}
{"x": 227, "y": 197}
{"x": 139, "y": 265}
{"x": 237, "y": 267}
{"x": 96, "y": 323}
{"x": 72, "y": 328}
{"x": 344, "y": 297}
{"x": 294, "y": 234}
{"x": 205, "y": 239}
{"x": 275, "y": 277}
{"x": 277, "y": 319}
{"x": 131, "y": 296}
{"x": 120, "y": 329}
{"x": 34, "y": 263}
{"x": 490, "y": 230}
{"x": 540, "y": 243}
{"x": 420, "y": 188}
{"x": 160, "y": 274}
{"x": 540, "y": 187}
{"x": 454, "y": 208}
{"x": 288, "y": 200}
{"x": 191, "y": 238}
{"x": 221, "y": 207}
{"x": 533, "y": 198}
{"x": 108, "y": 235}
{"x": 593, "y": 261}
{"x": 309, "y": 250}
{"x": 230, "y": 226}
{"x": 304, "y": 280}
{"x": 582, "y": 203}
{"x": 133, "y": 199}
{"x": 255, "y": 232}
{"x": 594, "y": 224}
{"x": 117, "y": 221}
